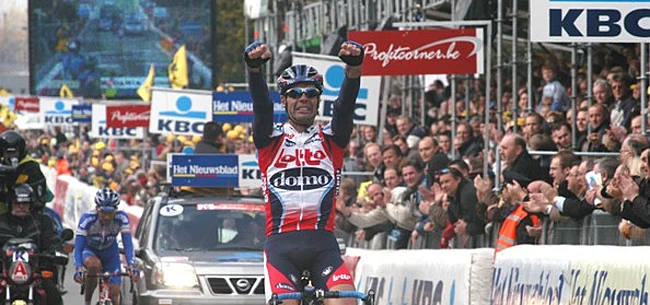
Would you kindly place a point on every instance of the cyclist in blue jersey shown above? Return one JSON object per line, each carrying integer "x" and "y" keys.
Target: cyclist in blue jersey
{"x": 96, "y": 247}
{"x": 300, "y": 164}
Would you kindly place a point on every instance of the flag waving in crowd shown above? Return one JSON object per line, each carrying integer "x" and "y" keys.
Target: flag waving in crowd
{"x": 145, "y": 89}
{"x": 65, "y": 91}
{"x": 178, "y": 69}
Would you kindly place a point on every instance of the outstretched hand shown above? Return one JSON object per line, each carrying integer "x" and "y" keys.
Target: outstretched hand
{"x": 351, "y": 53}
{"x": 256, "y": 54}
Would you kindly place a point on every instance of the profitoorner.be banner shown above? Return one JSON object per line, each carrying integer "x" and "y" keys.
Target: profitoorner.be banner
{"x": 130, "y": 116}
{"x": 447, "y": 51}
{"x": 213, "y": 170}
{"x": 99, "y": 129}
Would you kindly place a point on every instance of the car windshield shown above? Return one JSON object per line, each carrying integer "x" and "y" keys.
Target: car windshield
{"x": 205, "y": 227}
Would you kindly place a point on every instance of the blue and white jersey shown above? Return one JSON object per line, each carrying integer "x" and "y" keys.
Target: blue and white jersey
{"x": 99, "y": 236}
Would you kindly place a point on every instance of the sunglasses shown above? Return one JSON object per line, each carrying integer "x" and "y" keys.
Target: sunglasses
{"x": 310, "y": 92}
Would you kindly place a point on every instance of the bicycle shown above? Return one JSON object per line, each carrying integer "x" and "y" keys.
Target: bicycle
{"x": 312, "y": 296}
{"x": 102, "y": 286}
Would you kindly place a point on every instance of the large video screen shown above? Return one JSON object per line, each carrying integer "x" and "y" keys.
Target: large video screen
{"x": 104, "y": 48}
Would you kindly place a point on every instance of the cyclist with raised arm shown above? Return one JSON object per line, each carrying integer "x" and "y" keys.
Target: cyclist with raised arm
{"x": 96, "y": 248}
{"x": 301, "y": 166}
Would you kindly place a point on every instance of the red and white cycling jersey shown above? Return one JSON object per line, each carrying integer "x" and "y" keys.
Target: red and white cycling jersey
{"x": 301, "y": 173}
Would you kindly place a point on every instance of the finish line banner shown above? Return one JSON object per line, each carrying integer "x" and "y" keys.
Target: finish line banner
{"x": 618, "y": 21}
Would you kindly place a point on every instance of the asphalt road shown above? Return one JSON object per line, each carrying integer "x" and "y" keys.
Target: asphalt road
{"x": 72, "y": 297}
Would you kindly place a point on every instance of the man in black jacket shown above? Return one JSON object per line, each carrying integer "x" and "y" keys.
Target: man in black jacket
{"x": 211, "y": 141}
{"x": 515, "y": 154}
{"x": 22, "y": 222}
{"x": 462, "y": 209}
{"x": 27, "y": 169}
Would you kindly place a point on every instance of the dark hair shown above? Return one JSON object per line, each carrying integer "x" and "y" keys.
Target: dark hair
{"x": 460, "y": 163}
{"x": 392, "y": 147}
{"x": 416, "y": 163}
{"x": 521, "y": 142}
{"x": 567, "y": 158}
{"x": 212, "y": 131}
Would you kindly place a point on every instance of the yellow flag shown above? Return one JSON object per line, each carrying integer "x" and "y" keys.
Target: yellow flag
{"x": 178, "y": 69}
{"x": 145, "y": 89}
{"x": 65, "y": 91}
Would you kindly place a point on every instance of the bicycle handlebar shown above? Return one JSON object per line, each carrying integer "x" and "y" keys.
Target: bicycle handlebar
{"x": 325, "y": 295}
{"x": 105, "y": 276}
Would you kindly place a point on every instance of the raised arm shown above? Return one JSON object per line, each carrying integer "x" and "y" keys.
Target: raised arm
{"x": 255, "y": 55}
{"x": 351, "y": 53}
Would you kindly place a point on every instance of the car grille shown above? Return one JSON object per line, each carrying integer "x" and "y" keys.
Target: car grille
{"x": 236, "y": 285}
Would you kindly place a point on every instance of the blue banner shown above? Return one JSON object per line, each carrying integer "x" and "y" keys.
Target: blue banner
{"x": 204, "y": 170}
{"x": 82, "y": 113}
{"x": 237, "y": 107}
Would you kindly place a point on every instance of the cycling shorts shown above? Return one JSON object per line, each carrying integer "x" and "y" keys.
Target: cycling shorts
{"x": 286, "y": 255}
{"x": 110, "y": 259}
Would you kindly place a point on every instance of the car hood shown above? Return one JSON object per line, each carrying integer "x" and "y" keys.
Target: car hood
{"x": 212, "y": 257}
{"x": 218, "y": 263}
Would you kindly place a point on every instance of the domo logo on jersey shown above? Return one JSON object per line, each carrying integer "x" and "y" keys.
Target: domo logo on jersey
{"x": 311, "y": 178}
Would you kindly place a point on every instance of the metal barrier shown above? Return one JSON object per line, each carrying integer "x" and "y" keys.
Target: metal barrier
{"x": 599, "y": 228}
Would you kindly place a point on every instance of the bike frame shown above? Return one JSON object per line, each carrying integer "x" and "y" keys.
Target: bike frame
{"x": 102, "y": 285}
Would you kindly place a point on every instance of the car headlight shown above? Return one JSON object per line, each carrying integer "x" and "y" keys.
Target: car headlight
{"x": 175, "y": 275}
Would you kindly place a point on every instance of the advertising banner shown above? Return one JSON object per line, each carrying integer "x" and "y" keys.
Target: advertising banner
{"x": 100, "y": 130}
{"x": 615, "y": 21}
{"x": 405, "y": 277}
{"x": 8, "y": 101}
{"x": 564, "y": 275}
{"x": 203, "y": 170}
{"x": 128, "y": 115}
{"x": 28, "y": 104}
{"x": 82, "y": 113}
{"x": 333, "y": 70}
{"x": 237, "y": 107}
{"x": 447, "y": 51}
{"x": 57, "y": 111}
{"x": 181, "y": 112}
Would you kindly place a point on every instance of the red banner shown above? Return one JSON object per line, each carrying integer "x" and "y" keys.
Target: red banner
{"x": 128, "y": 116}
{"x": 448, "y": 51}
{"x": 27, "y": 104}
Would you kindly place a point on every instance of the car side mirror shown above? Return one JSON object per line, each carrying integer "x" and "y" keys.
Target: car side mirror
{"x": 67, "y": 234}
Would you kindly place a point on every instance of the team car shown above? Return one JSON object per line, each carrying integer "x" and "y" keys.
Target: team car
{"x": 200, "y": 249}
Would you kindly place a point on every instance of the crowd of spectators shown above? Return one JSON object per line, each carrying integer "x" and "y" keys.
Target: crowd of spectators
{"x": 425, "y": 185}
{"x": 428, "y": 188}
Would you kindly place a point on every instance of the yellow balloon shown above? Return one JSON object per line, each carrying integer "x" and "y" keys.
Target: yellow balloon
{"x": 232, "y": 134}
{"x": 239, "y": 129}
{"x": 170, "y": 138}
{"x": 196, "y": 139}
{"x": 100, "y": 145}
{"x": 226, "y": 127}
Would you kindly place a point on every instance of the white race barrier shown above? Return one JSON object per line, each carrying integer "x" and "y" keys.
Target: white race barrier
{"x": 589, "y": 275}
{"x": 418, "y": 277}
{"x": 72, "y": 198}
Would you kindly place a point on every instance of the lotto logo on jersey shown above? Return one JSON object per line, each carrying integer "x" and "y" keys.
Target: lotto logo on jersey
{"x": 300, "y": 157}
